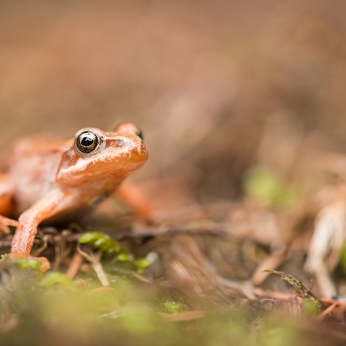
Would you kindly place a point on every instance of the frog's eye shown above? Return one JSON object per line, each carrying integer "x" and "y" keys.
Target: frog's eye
{"x": 139, "y": 133}
{"x": 87, "y": 142}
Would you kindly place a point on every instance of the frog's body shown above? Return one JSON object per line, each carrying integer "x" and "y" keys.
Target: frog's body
{"x": 44, "y": 178}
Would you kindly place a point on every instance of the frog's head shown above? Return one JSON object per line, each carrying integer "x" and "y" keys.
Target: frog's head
{"x": 103, "y": 159}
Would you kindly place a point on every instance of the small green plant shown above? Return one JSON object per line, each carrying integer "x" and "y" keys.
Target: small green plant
{"x": 103, "y": 244}
{"x": 269, "y": 189}
{"x": 53, "y": 278}
{"x": 28, "y": 263}
{"x": 174, "y": 307}
{"x": 100, "y": 241}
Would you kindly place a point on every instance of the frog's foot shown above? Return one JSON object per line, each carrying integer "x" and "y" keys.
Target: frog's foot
{"x": 5, "y": 222}
{"x": 45, "y": 264}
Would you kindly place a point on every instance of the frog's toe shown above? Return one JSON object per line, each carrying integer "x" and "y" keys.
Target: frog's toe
{"x": 5, "y": 229}
{"x": 45, "y": 264}
{"x": 5, "y": 221}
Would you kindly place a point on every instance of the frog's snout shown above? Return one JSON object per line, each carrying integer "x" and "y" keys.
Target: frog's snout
{"x": 132, "y": 149}
{"x": 129, "y": 129}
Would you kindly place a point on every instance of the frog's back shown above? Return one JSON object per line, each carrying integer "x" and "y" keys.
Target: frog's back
{"x": 32, "y": 167}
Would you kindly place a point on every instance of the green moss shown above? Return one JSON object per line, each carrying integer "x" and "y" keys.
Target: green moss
{"x": 100, "y": 241}
{"x": 53, "y": 278}
{"x": 174, "y": 307}
{"x": 28, "y": 263}
{"x": 269, "y": 189}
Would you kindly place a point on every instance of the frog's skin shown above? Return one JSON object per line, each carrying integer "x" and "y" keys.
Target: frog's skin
{"x": 45, "y": 177}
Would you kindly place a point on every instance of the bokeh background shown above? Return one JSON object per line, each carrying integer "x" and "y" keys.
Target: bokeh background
{"x": 217, "y": 86}
{"x": 240, "y": 102}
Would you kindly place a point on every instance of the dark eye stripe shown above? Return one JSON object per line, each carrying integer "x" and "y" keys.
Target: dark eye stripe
{"x": 87, "y": 142}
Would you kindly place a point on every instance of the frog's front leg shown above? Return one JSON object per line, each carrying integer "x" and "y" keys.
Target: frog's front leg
{"x": 5, "y": 222}
{"x": 7, "y": 206}
{"x": 25, "y": 234}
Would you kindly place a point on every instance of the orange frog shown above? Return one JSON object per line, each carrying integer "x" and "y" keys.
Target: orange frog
{"x": 43, "y": 178}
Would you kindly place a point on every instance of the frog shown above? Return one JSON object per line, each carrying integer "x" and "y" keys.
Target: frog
{"x": 45, "y": 178}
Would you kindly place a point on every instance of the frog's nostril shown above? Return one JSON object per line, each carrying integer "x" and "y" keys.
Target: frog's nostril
{"x": 139, "y": 133}
{"x": 120, "y": 143}
{"x": 128, "y": 129}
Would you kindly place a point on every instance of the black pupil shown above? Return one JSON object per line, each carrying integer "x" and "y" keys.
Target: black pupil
{"x": 87, "y": 141}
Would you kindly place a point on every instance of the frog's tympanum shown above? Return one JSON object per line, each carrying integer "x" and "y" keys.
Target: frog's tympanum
{"x": 44, "y": 177}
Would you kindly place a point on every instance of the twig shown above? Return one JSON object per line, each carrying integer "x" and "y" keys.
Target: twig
{"x": 183, "y": 316}
{"x": 96, "y": 263}
{"x": 94, "y": 259}
{"x": 46, "y": 238}
{"x": 273, "y": 261}
{"x": 133, "y": 274}
{"x": 327, "y": 312}
{"x": 300, "y": 289}
{"x": 74, "y": 266}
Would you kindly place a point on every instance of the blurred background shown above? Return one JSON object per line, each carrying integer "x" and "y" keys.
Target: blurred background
{"x": 216, "y": 86}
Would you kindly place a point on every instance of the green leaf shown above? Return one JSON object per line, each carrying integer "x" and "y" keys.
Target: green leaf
{"x": 88, "y": 238}
{"x": 53, "y": 278}
{"x": 28, "y": 263}
{"x": 174, "y": 307}
{"x": 124, "y": 257}
{"x": 141, "y": 265}
{"x": 100, "y": 241}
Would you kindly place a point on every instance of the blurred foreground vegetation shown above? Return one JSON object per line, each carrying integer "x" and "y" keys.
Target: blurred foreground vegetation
{"x": 37, "y": 311}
